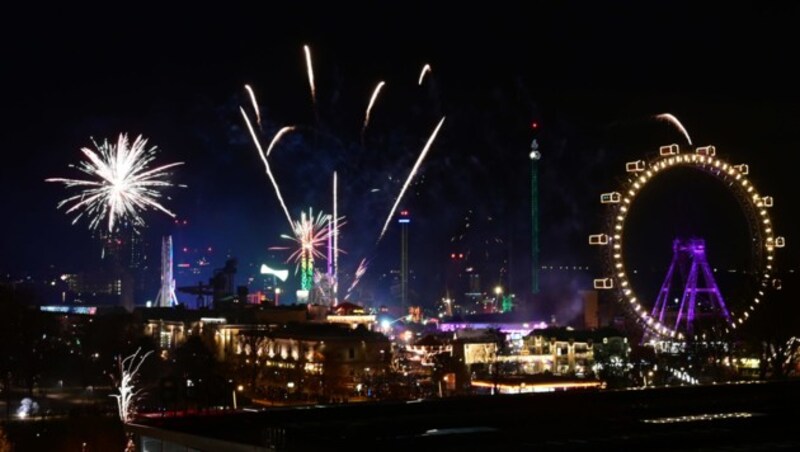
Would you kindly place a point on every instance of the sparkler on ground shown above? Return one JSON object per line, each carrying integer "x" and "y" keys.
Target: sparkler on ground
{"x": 266, "y": 166}
{"x": 128, "y": 395}
{"x": 674, "y": 121}
{"x": 369, "y": 108}
{"x": 123, "y": 183}
{"x": 410, "y": 177}
{"x": 255, "y": 104}
{"x": 425, "y": 70}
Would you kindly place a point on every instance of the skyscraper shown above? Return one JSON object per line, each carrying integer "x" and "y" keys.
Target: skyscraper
{"x": 166, "y": 295}
{"x": 535, "y": 155}
{"x": 404, "y": 221}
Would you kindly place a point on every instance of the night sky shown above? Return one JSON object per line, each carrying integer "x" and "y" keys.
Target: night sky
{"x": 591, "y": 75}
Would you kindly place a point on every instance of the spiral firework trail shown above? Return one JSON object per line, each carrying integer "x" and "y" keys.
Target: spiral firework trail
{"x": 668, "y": 117}
{"x": 266, "y": 166}
{"x": 410, "y": 177}
{"x": 123, "y": 185}
{"x": 425, "y": 70}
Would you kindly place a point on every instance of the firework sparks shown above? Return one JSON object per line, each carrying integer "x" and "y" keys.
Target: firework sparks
{"x": 335, "y": 237}
{"x": 128, "y": 395}
{"x": 310, "y": 69}
{"x": 123, "y": 184}
{"x": 371, "y": 104}
{"x": 278, "y": 137}
{"x": 362, "y": 268}
{"x": 411, "y": 176}
{"x": 674, "y": 121}
{"x": 266, "y": 165}
{"x": 255, "y": 104}
{"x": 425, "y": 70}
{"x": 310, "y": 234}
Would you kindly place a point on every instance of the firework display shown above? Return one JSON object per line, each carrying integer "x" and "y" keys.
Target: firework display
{"x": 122, "y": 184}
{"x": 309, "y": 232}
{"x": 425, "y": 70}
{"x": 668, "y": 117}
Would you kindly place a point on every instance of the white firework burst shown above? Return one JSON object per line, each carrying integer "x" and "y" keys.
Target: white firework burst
{"x": 122, "y": 184}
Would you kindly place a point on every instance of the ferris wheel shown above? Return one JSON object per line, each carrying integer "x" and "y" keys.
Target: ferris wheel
{"x": 678, "y": 321}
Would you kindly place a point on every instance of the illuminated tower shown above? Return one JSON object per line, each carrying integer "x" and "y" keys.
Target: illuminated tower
{"x": 166, "y": 296}
{"x": 700, "y": 298}
{"x": 535, "y": 155}
{"x": 307, "y": 257}
{"x": 404, "y": 220}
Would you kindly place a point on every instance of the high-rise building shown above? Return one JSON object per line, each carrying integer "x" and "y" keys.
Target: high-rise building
{"x": 404, "y": 221}
{"x": 166, "y": 295}
{"x": 474, "y": 283}
{"x": 535, "y": 156}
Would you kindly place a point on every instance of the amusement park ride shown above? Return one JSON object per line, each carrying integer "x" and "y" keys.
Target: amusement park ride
{"x": 701, "y": 307}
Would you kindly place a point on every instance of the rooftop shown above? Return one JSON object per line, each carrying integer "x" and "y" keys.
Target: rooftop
{"x": 676, "y": 418}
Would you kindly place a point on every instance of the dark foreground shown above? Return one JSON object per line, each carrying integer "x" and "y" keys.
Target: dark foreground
{"x": 755, "y": 416}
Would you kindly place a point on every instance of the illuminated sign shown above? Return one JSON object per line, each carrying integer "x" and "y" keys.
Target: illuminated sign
{"x": 280, "y": 274}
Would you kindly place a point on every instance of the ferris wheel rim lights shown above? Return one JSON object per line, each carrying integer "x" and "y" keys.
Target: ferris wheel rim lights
{"x": 640, "y": 172}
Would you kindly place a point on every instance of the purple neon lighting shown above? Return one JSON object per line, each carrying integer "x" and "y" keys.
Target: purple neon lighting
{"x": 689, "y": 255}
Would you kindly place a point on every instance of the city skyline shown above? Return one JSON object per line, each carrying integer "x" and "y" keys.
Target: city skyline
{"x": 595, "y": 109}
{"x": 294, "y": 226}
